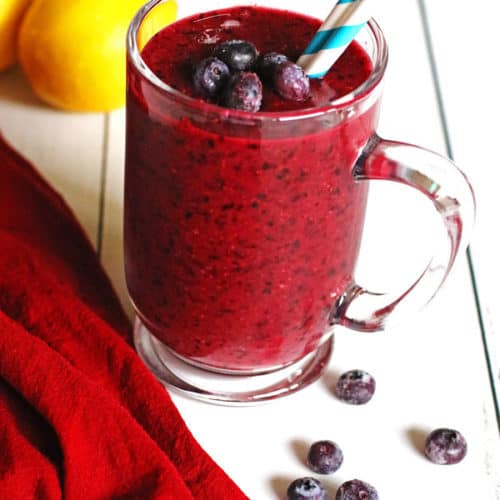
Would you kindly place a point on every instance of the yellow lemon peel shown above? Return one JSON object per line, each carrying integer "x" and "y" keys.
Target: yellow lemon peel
{"x": 73, "y": 53}
{"x": 11, "y": 15}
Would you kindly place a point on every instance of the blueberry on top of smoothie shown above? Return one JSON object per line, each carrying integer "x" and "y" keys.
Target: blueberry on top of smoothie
{"x": 209, "y": 76}
{"x": 243, "y": 91}
{"x": 239, "y": 55}
{"x": 291, "y": 82}
{"x": 228, "y": 78}
{"x": 267, "y": 64}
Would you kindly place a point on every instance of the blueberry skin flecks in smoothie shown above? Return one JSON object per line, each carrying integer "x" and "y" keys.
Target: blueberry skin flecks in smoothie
{"x": 237, "y": 244}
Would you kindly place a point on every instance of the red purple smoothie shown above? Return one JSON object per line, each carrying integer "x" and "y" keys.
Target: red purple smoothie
{"x": 238, "y": 238}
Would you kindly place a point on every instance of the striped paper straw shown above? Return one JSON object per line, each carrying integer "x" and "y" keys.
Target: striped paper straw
{"x": 333, "y": 37}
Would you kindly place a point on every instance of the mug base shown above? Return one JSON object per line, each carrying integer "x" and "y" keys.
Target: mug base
{"x": 228, "y": 389}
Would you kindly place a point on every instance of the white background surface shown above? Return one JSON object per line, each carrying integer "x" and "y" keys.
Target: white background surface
{"x": 430, "y": 372}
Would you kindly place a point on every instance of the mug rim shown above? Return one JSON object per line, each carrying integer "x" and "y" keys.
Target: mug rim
{"x": 352, "y": 98}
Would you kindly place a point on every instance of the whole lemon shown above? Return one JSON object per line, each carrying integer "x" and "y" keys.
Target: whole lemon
{"x": 11, "y": 14}
{"x": 73, "y": 52}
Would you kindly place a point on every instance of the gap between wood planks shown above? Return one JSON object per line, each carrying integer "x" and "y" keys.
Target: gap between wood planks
{"x": 102, "y": 183}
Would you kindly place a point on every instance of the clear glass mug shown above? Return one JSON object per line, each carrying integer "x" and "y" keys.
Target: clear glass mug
{"x": 242, "y": 230}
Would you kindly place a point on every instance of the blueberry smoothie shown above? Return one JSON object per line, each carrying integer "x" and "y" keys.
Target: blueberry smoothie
{"x": 242, "y": 227}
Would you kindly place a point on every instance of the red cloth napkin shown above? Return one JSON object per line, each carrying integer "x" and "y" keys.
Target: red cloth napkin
{"x": 80, "y": 415}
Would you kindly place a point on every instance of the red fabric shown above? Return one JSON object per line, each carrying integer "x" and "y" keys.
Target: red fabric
{"x": 80, "y": 415}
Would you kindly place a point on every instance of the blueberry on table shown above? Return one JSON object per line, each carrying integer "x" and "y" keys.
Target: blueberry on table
{"x": 209, "y": 76}
{"x": 243, "y": 91}
{"x": 239, "y": 55}
{"x": 324, "y": 457}
{"x": 355, "y": 387}
{"x": 306, "y": 488}
{"x": 267, "y": 64}
{"x": 356, "y": 490}
{"x": 291, "y": 82}
{"x": 445, "y": 446}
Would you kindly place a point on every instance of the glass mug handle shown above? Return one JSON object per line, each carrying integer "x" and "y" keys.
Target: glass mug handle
{"x": 452, "y": 196}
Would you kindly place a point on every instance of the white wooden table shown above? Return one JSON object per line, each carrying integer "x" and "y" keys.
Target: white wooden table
{"x": 440, "y": 369}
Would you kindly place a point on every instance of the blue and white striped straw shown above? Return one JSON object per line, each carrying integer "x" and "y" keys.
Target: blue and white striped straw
{"x": 339, "y": 29}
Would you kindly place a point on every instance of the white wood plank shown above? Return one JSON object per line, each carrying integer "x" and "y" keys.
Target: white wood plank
{"x": 65, "y": 147}
{"x": 466, "y": 57}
